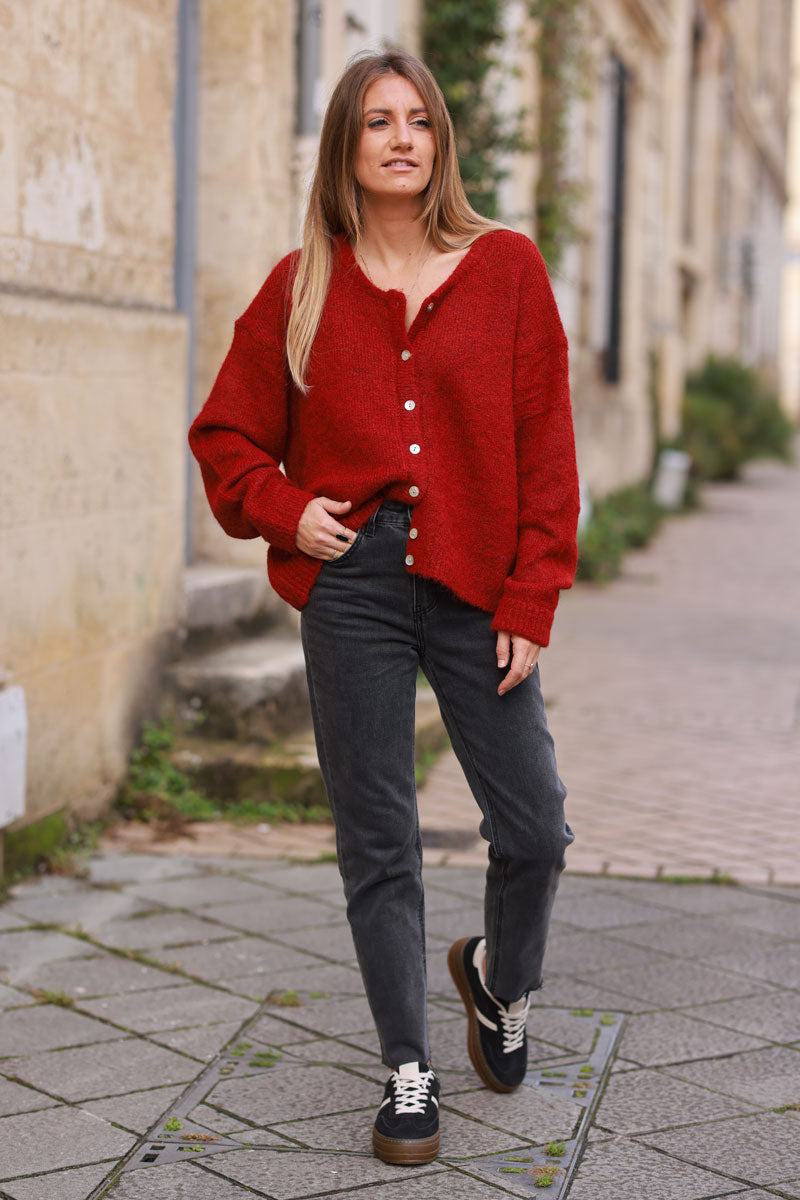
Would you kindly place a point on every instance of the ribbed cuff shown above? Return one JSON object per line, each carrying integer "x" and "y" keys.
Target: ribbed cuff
{"x": 281, "y": 528}
{"x": 527, "y": 620}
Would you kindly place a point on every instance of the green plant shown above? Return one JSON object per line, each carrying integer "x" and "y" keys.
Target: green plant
{"x": 555, "y": 1149}
{"x": 624, "y": 519}
{"x": 460, "y": 43}
{"x": 561, "y": 53}
{"x": 155, "y": 788}
{"x": 56, "y": 844}
{"x": 173, "y": 1125}
{"x": 729, "y": 417}
{"x": 581, "y": 1012}
{"x": 287, "y": 999}
{"x": 43, "y": 996}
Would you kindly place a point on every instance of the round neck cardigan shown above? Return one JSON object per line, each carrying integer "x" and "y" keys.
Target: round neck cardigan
{"x": 465, "y": 416}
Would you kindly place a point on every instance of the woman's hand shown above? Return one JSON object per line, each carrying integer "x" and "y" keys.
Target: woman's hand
{"x": 522, "y": 663}
{"x": 317, "y": 531}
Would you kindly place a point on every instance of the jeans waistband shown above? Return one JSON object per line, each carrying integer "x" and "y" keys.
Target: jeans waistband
{"x": 393, "y": 512}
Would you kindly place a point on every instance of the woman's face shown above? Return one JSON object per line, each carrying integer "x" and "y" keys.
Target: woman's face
{"x": 396, "y": 150}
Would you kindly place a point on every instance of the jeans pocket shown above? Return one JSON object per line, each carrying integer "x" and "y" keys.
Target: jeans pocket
{"x": 348, "y": 553}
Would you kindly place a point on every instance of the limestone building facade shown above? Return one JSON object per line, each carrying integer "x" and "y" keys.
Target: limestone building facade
{"x": 154, "y": 157}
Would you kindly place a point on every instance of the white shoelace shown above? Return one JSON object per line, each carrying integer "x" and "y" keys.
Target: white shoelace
{"x": 512, "y": 1018}
{"x": 411, "y": 1092}
{"x": 513, "y": 1021}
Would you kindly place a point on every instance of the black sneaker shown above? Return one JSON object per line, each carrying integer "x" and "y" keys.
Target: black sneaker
{"x": 407, "y": 1125}
{"x": 496, "y": 1038}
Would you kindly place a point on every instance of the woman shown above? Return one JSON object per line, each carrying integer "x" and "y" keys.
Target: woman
{"x": 409, "y": 369}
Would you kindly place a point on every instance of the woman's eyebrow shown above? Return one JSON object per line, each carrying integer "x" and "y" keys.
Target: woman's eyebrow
{"x": 389, "y": 111}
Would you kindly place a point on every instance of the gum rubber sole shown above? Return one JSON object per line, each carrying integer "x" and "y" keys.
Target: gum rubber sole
{"x": 455, "y": 963}
{"x": 405, "y": 1152}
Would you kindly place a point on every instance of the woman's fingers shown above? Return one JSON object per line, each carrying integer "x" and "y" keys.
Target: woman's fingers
{"x": 522, "y": 663}
{"x": 319, "y": 534}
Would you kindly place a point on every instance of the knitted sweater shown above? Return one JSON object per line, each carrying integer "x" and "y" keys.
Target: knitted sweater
{"x": 466, "y": 417}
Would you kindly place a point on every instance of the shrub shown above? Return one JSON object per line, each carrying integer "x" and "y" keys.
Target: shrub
{"x": 729, "y": 417}
{"x": 620, "y": 521}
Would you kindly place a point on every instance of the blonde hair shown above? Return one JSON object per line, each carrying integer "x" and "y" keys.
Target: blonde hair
{"x": 334, "y": 204}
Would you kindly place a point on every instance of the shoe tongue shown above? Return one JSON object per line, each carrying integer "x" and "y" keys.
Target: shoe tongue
{"x": 408, "y": 1070}
{"x": 517, "y": 1008}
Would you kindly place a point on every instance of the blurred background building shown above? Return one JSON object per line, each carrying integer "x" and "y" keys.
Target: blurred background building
{"x": 154, "y": 157}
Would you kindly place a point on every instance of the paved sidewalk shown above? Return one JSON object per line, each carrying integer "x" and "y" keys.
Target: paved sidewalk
{"x": 674, "y": 699}
{"x": 668, "y": 1032}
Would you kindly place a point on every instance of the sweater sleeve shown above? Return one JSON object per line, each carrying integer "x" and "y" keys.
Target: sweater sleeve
{"x": 239, "y": 436}
{"x": 547, "y": 476}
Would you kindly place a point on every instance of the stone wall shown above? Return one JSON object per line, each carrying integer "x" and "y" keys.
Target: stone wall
{"x": 92, "y": 382}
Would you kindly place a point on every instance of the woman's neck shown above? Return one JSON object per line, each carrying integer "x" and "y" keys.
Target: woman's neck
{"x": 394, "y": 234}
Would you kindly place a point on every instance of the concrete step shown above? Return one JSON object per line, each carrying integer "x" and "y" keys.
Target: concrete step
{"x": 218, "y": 600}
{"x": 252, "y": 689}
{"x": 287, "y": 772}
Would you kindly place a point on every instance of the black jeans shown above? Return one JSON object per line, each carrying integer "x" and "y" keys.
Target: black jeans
{"x": 367, "y": 628}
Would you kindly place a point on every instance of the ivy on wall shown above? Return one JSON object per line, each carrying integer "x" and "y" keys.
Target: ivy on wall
{"x": 561, "y": 51}
{"x": 460, "y": 40}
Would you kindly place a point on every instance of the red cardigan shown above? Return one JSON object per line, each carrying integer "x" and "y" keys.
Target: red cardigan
{"x": 466, "y": 417}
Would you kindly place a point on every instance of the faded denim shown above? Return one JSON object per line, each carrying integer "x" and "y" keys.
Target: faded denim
{"x": 367, "y": 628}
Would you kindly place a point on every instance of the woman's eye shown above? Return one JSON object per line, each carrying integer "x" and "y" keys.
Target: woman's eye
{"x": 376, "y": 121}
{"x": 423, "y": 122}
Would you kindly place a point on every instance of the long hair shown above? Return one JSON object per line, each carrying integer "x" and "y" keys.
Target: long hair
{"x": 335, "y": 199}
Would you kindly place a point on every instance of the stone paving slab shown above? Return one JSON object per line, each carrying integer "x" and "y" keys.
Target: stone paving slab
{"x": 761, "y": 1149}
{"x": 769, "y": 1077}
{"x": 236, "y": 956}
{"x": 136, "y": 1111}
{"x": 642, "y": 1101}
{"x": 117, "y": 869}
{"x": 46, "y": 1026}
{"x": 170, "y": 1008}
{"x": 87, "y": 911}
{"x": 674, "y": 984}
{"x": 112, "y": 1068}
{"x": 160, "y": 930}
{"x": 17, "y": 1099}
{"x": 281, "y": 915}
{"x": 22, "y": 952}
{"x": 606, "y": 1166}
{"x": 100, "y": 975}
{"x": 13, "y": 997}
{"x": 202, "y": 1042}
{"x": 775, "y": 1015}
{"x": 658, "y": 1038}
{"x": 286, "y": 1176}
{"x": 69, "y": 1137}
{"x": 74, "y": 1184}
{"x": 198, "y": 892}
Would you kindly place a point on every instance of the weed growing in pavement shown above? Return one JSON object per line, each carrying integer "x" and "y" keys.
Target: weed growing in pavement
{"x": 319, "y": 995}
{"x": 586, "y": 1070}
{"x": 173, "y": 1125}
{"x": 555, "y": 1149}
{"x": 582, "y": 1012}
{"x": 608, "y": 1019}
{"x": 287, "y": 999}
{"x": 43, "y": 996}
{"x": 784, "y": 1108}
{"x": 554, "y": 1074}
{"x": 240, "y": 1048}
